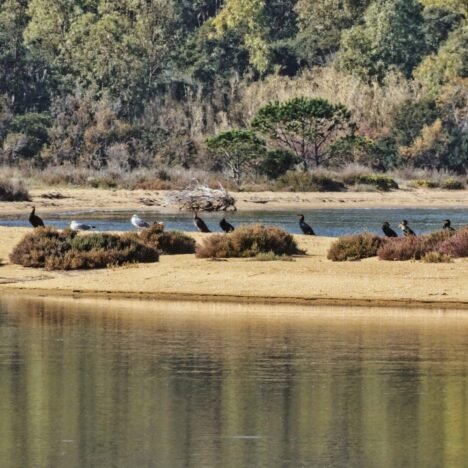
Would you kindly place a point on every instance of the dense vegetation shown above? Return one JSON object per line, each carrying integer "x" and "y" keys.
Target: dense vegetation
{"x": 66, "y": 250}
{"x": 248, "y": 88}
{"x": 248, "y": 241}
{"x": 438, "y": 247}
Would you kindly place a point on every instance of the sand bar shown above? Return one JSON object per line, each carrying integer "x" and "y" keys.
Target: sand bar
{"x": 311, "y": 279}
{"x": 75, "y": 200}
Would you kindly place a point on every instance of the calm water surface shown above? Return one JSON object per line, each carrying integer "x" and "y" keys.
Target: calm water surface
{"x": 326, "y": 222}
{"x": 126, "y": 384}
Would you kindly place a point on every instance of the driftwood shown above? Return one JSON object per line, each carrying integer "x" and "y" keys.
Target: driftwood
{"x": 199, "y": 197}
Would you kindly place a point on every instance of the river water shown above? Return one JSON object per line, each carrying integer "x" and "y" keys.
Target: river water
{"x": 326, "y": 222}
{"x": 90, "y": 383}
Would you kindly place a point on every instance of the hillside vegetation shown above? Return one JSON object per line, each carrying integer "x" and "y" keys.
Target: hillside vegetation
{"x": 241, "y": 91}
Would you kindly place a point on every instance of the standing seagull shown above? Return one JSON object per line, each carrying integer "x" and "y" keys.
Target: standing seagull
{"x": 388, "y": 231}
{"x": 199, "y": 223}
{"x": 138, "y": 222}
{"x": 306, "y": 229}
{"x": 407, "y": 231}
{"x": 448, "y": 226}
{"x": 225, "y": 226}
{"x": 76, "y": 226}
{"x": 34, "y": 219}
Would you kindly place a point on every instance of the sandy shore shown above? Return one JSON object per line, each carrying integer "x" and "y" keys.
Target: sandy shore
{"x": 73, "y": 200}
{"x": 311, "y": 279}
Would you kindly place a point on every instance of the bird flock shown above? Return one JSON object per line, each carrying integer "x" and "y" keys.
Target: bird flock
{"x": 225, "y": 226}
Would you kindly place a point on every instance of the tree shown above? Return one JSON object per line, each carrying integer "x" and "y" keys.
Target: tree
{"x": 392, "y": 36}
{"x": 247, "y": 18}
{"x": 305, "y": 126}
{"x": 321, "y": 23}
{"x": 277, "y": 162}
{"x": 448, "y": 64}
{"x": 237, "y": 152}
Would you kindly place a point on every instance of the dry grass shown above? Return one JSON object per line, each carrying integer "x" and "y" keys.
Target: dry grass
{"x": 355, "y": 247}
{"x": 54, "y": 250}
{"x": 13, "y": 191}
{"x": 248, "y": 241}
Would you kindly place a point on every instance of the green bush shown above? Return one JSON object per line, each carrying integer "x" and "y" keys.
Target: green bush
{"x": 426, "y": 183}
{"x": 301, "y": 181}
{"x": 380, "y": 182}
{"x": 436, "y": 257}
{"x": 355, "y": 247}
{"x": 66, "y": 250}
{"x": 248, "y": 241}
{"x": 452, "y": 184}
{"x": 170, "y": 242}
{"x": 13, "y": 191}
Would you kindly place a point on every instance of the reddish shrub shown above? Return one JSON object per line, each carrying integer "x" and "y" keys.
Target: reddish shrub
{"x": 457, "y": 245}
{"x": 170, "y": 242}
{"x": 413, "y": 247}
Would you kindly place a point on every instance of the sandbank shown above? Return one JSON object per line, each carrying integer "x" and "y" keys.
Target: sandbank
{"x": 311, "y": 279}
{"x": 88, "y": 199}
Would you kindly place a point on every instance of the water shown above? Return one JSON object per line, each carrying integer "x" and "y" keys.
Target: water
{"x": 326, "y": 222}
{"x": 102, "y": 384}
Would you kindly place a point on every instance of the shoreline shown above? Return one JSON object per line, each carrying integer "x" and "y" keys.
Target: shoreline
{"x": 73, "y": 200}
{"x": 381, "y": 303}
{"x": 308, "y": 280}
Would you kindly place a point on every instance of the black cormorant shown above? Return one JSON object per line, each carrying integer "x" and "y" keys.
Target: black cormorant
{"x": 225, "y": 226}
{"x": 199, "y": 223}
{"x": 407, "y": 231}
{"x": 34, "y": 219}
{"x": 448, "y": 226}
{"x": 388, "y": 231}
{"x": 306, "y": 229}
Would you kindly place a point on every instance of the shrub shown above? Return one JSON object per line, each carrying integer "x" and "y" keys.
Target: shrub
{"x": 380, "y": 182}
{"x": 277, "y": 162}
{"x": 413, "y": 247}
{"x": 452, "y": 184}
{"x": 425, "y": 183}
{"x": 55, "y": 250}
{"x": 456, "y": 245}
{"x": 300, "y": 181}
{"x": 354, "y": 247}
{"x": 248, "y": 241}
{"x": 436, "y": 257}
{"x": 170, "y": 242}
{"x": 13, "y": 191}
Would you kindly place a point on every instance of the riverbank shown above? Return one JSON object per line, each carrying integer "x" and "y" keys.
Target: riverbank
{"x": 311, "y": 279}
{"x": 62, "y": 200}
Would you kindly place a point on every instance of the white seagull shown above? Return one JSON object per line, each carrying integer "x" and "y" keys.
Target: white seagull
{"x": 138, "y": 222}
{"x": 76, "y": 226}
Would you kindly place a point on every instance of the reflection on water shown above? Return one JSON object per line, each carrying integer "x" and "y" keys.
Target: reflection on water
{"x": 103, "y": 384}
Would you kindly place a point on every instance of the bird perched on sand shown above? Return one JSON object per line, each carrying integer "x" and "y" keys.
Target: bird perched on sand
{"x": 77, "y": 226}
{"x": 388, "y": 231}
{"x": 225, "y": 226}
{"x": 407, "y": 231}
{"x": 306, "y": 229}
{"x": 448, "y": 226}
{"x": 138, "y": 222}
{"x": 199, "y": 223}
{"x": 34, "y": 219}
